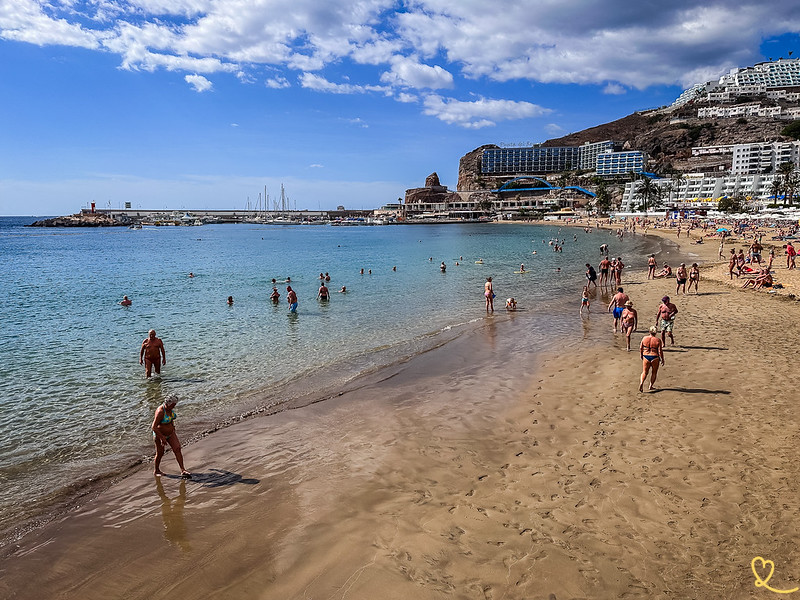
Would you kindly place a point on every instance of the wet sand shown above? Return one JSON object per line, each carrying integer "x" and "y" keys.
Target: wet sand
{"x": 478, "y": 471}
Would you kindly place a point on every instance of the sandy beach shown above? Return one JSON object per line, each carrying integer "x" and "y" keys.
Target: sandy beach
{"x": 478, "y": 470}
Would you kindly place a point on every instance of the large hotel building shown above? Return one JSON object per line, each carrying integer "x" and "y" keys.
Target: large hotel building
{"x": 606, "y": 158}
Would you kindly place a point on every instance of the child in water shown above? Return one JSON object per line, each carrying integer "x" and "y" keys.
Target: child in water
{"x": 511, "y": 304}
{"x": 585, "y": 300}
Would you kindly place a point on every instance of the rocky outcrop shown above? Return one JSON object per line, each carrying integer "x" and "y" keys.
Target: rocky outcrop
{"x": 433, "y": 192}
{"x": 79, "y": 220}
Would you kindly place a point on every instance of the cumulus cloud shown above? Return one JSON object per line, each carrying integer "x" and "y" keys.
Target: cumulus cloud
{"x": 199, "y": 83}
{"x": 277, "y": 83}
{"x": 415, "y": 45}
{"x": 320, "y": 84}
{"x": 410, "y": 73}
{"x": 479, "y": 113}
{"x": 614, "y": 89}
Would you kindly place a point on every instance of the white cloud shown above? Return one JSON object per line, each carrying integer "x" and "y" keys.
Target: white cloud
{"x": 320, "y": 84}
{"x": 277, "y": 83}
{"x": 359, "y": 122}
{"x": 614, "y": 89}
{"x": 406, "y": 98}
{"x": 420, "y": 44}
{"x": 553, "y": 129}
{"x": 315, "y": 166}
{"x": 479, "y": 113}
{"x": 199, "y": 83}
{"x": 410, "y": 73}
{"x": 26, "y": 21}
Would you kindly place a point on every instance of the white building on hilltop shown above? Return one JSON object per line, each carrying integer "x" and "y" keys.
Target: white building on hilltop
{"x": 775, "y": 79}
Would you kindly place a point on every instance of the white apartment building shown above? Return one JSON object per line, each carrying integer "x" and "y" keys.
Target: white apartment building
{"x": 707, "y": 150}
{"x": 702, "y": 192}
{"x": 773, "y": 78}
{"x": 781, "y": 73}
{"x": 766, "y": 157}
{"x": 745, "y": 110}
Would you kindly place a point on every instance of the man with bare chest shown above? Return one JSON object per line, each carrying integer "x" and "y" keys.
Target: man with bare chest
{"x": 152, "y": 354}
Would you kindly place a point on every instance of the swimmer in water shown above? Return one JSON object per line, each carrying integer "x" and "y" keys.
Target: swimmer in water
{"x": 125, "y": 301}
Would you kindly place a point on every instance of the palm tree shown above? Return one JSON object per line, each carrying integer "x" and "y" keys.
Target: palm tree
{"x": 775, "y": 188}
{"x": 791, "y": 183}
{"x": 786, "y": 170}
{"x": 645, "y": 191}
{"x": 677, "y": 181}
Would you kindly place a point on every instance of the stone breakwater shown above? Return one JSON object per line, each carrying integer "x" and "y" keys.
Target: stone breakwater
{"x": 79, "y": 220}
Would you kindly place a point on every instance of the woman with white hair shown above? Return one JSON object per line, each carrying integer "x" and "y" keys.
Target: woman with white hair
{"x": 164, "y": 433}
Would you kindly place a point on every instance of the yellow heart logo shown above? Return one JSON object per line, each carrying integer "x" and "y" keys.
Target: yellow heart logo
{"x": 766, "y": 565}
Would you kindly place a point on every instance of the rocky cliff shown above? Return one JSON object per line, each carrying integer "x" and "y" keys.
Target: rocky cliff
{"x": 667, "y": 138}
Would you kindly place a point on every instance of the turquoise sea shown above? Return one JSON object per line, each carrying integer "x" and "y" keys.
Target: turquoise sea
{"x": 75, "y": 405}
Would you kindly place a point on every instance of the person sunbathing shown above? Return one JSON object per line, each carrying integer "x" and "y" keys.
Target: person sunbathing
{"x": 665, "y": 272}
{"x": 764, "y": 279}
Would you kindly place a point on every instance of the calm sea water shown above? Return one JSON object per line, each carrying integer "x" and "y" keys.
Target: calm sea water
{"x": 74, "y": 402}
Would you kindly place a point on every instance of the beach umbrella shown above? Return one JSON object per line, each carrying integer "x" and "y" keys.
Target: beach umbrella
{"x": 721, "y": 229}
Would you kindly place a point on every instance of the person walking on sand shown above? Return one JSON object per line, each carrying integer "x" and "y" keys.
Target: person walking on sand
{"x": 488, "y": 292}
{"x": 791, "y": 253}
{"x": 617, "y": 305}
{"x": 651, "y": 266}
{"x": 164, "y": 433}
{"x": 694, "y": 277}
{"x": 291, "y": 298}
{"x": 628, "y": 323}
{"x": 152, "y": 354}
{"x": 665, "y": 319}
{"x": 732, "y": 263}
{"x": 652, "y": 352}
{"x": 681, "y": 275}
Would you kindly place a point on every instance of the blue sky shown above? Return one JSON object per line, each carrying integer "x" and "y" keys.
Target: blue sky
{"x": 185, "y": 104}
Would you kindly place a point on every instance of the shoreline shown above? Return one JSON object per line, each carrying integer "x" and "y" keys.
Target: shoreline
{"x": 511, "y": 478}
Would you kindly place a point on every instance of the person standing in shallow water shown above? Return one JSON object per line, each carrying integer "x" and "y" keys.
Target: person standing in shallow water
{"x": 164, "y": 433}
{"x": 152, "y": 354}
{"x": 488, "y": 292}
{"x": 291, "y": 298}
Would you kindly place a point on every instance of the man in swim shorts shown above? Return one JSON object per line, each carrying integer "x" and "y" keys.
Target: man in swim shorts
{"x": 618, "y": 305}
{"x": 680, "y": 276}
{"x": 291, "y": 298}
{"x": 665, "y": 319}
{"x": 323, "y": 293}
{"x": 605, "y": 265}
{"x": 152, "y": 354}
